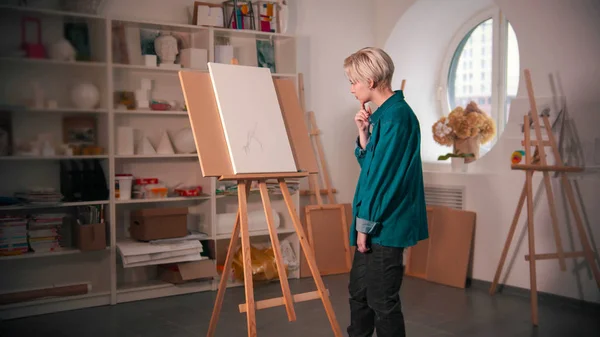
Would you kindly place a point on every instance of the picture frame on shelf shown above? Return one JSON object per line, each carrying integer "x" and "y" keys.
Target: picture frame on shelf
{"x": 77, "y": 33}
{"x": 80, "y": 131}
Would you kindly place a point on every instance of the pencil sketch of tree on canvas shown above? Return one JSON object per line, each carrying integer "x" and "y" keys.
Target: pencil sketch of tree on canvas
{"x": 250, "y": 138}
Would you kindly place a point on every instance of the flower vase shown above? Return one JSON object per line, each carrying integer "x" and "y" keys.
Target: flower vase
{"x": 467, "y": 145}
{"x": 458, "y": 164}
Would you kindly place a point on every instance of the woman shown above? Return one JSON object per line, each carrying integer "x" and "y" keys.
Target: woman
{"x": 389, "y": 212}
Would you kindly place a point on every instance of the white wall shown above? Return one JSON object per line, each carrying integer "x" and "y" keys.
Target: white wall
{"x": 387, "y": 13}
{"x": 328, "y": 32}
{"x": 558, "y": 42}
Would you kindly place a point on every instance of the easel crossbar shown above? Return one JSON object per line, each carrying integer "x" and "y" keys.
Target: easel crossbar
{"x": 546, "y": 168}
{"x": 279, "y": 301}
{"x": 552, "y": 256}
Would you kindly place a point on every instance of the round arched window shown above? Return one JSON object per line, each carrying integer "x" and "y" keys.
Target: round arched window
{"x": 482, "y": 65}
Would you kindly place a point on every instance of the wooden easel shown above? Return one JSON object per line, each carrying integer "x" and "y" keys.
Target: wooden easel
{"x": 214, "y": 159}
{"x": 537, "y": 162}
{"x": 322, "y": 214}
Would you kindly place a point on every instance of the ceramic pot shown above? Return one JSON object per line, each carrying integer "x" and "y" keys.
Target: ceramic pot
{"x": 458, "y": 165}
{"x": 468, "y": 145}
{"x": 166, "y": 48}
{"x": 85, "y": 96}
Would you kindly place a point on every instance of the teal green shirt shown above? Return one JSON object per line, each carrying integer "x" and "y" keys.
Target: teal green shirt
{"x": 389, "y": 201}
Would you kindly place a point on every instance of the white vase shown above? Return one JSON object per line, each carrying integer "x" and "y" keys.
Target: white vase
{"x": 458, "y": 165}
{"x": 166, "y": 48}
{"x": 85, "y": 96}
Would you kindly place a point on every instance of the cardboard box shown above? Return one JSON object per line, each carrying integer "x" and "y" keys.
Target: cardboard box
{"x": 158, "y": 223}
{"x": 177, "y": 273}
{"x": 207, "y": 14}
{"x": 90, "y": 237}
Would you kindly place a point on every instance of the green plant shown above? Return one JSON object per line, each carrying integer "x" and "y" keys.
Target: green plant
{"x": 455, "y": 155}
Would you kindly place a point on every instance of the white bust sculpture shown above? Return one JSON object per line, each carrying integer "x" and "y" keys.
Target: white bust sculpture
{"x": 166, "y": 49}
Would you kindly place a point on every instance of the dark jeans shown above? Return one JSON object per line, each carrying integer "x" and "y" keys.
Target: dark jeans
{"x": 375, "y": 281}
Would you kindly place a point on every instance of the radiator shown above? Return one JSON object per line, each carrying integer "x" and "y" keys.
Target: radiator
{"x": 449, "y": 196}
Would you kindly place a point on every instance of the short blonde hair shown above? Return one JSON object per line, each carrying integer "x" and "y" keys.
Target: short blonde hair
{"x": 370, "y": 64}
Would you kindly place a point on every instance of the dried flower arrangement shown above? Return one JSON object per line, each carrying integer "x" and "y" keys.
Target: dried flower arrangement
{"x": 464, "y": 124}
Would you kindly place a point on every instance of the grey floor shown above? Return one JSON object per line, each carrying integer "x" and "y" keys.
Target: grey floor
{"x": 430, "y": 310}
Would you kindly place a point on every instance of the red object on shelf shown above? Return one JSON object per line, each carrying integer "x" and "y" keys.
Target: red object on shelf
{"x": 189, "y": 191}
{"x": 146, "y": 181}
{"x": 35, "y": 49}
{"x": 160, "y": 106}
{"x": 265, "y": 26}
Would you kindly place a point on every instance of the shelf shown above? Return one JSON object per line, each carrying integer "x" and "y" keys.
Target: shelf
{"x": 159, "y": 25}
{"x": 16, "y": 158}
{"x": 170, "y": 168}
{"x": 50, "y": 12}
{"x": 258, "y": 233}
{"x": 157, "y": 288}
{"x": 152, "y": 112}
{"x": 227, "y": 32}
{"x": 158, "y": 156}
{"x": 64, "y": 251}
{"x": 50, "y": 62}
{"x": 175, "y": 71}
{"x": 170, "y": 199}
{"x": 55, "y": 299}
{"x": 149, "y": 68}
{"x": 283, "y": 75}
{"x": 59, "y": 205}
{"x": 19, "y": 109}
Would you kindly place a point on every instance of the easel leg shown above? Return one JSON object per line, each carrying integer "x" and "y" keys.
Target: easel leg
{"x": 285, "y": 287}
{"x": 559, "y": 249}
{"x": 587, "y": 250}
{"x": 511, "y": 234}
{"x": 233, "y": 243}
{"x": 531, "y": 237}
{"x": 310, "y": 259}
{"x": 248, "y": 284}
{"x": 223, "y": 283}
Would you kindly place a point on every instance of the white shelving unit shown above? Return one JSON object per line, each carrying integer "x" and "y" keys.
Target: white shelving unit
{"x": 110, "y": 282}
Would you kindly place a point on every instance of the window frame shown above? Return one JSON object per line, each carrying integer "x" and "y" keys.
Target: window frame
{"x": 499, "y": 62}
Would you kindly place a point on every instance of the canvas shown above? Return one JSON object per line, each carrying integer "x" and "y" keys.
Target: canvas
{"x": 519, "y": 106}
{"x": 251, "y": 117}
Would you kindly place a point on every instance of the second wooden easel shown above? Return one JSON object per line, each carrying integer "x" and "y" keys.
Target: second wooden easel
{"x": 533, "y": 163}
{"x": 332, "y": 260}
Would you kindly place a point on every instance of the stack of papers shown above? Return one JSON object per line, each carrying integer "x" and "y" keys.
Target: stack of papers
{"x": 44, "y": 232}
{"x": 135, "y": 253}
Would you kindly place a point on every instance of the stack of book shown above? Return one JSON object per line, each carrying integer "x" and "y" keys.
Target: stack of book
{"x": 44, "y": 232}
{"x": 13, "y": 235}
{"x": 40, "y": 197}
